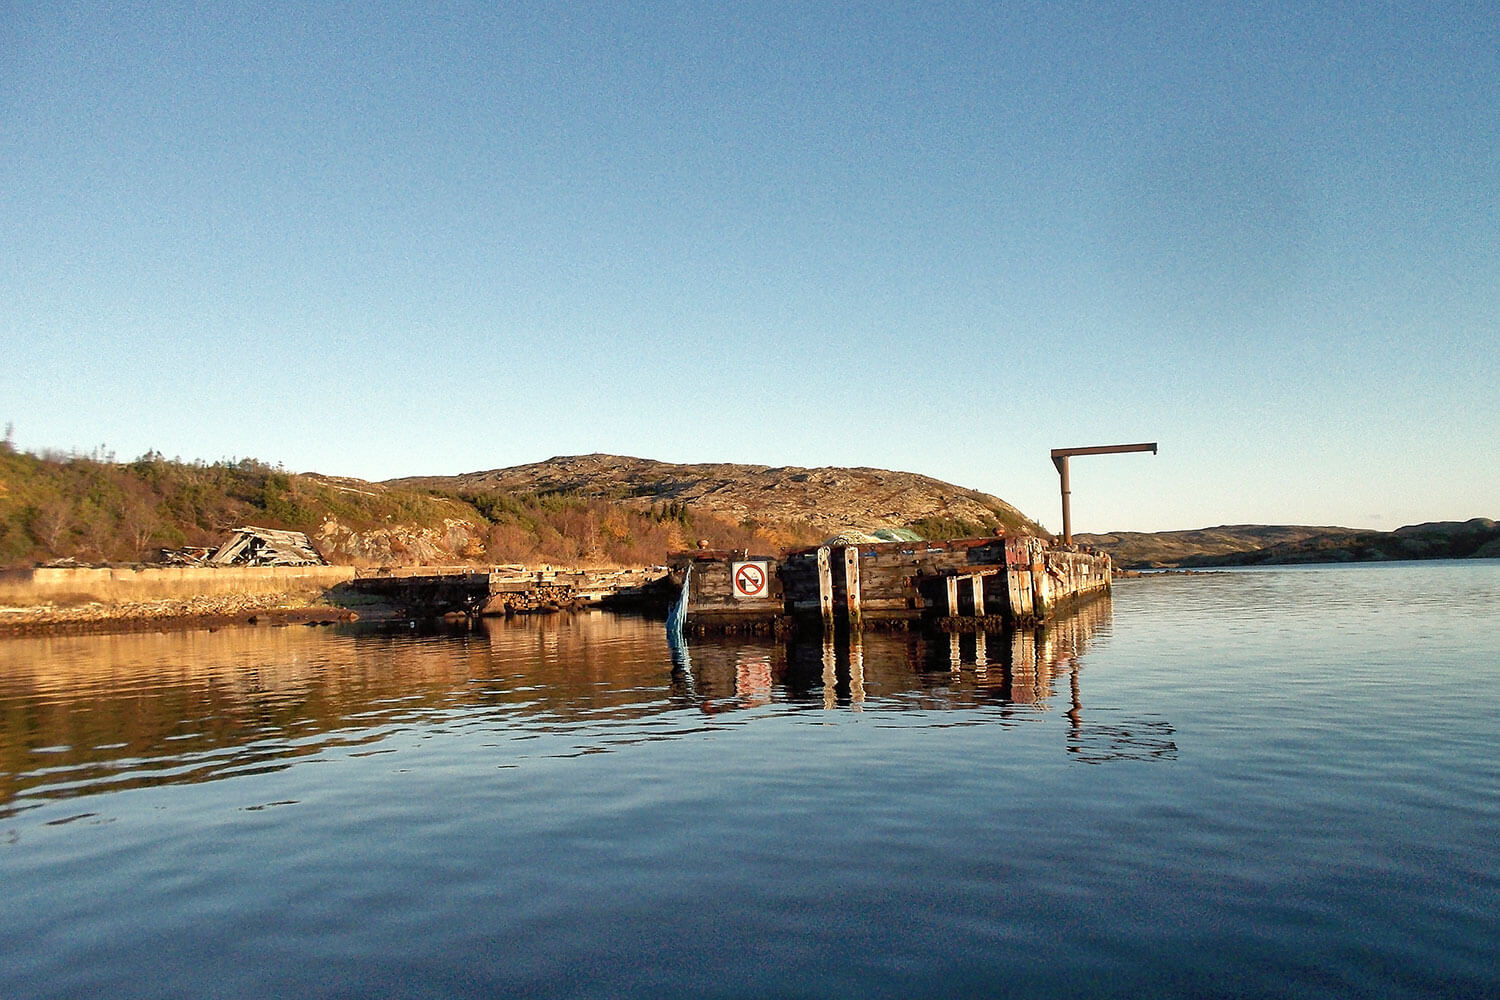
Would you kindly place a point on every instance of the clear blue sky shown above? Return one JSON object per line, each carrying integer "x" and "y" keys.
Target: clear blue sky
{"x": 378, "y": 240}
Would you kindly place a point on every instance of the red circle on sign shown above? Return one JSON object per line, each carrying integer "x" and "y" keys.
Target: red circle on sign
{"x": 750, "y": 579}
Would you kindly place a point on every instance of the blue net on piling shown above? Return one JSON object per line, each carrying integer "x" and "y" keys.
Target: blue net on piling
{"x": 677, "y": 617}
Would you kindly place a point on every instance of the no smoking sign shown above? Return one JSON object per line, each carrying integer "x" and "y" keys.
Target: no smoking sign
{"x": 750, "y": 579}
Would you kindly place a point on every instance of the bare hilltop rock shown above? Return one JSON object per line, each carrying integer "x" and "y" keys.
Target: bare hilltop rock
{"x": 828, "y": 499}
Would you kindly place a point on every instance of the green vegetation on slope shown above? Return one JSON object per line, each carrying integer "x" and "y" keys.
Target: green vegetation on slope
{"x": 92, "y": 509}
{"x": 939, "y": 528}
{"x": 89, "y": 508}
{"x": 562, "y": 526}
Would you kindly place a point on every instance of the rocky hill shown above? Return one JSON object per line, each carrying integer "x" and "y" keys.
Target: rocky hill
{"x": 828, "y": 500}
{"x": 589, "y": 510}
{"x": 1253, "y": 544}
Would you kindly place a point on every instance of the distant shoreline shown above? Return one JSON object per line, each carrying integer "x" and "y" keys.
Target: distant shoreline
{"x": 1292, "y": 545}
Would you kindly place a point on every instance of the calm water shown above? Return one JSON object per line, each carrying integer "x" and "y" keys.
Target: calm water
{"x": 1264, "y": 783}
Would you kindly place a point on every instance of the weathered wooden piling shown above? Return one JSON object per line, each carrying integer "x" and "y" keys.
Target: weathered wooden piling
{"x": 825, "y": 587}
{"x": 852, "y": 612}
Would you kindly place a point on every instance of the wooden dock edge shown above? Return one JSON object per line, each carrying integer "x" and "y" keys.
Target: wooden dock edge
{"x": 963, "y": 584}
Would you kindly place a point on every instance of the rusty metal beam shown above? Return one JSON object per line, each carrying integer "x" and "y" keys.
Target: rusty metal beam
{"x": 1060, "y": 458}
{"x": 1103, "y": 449}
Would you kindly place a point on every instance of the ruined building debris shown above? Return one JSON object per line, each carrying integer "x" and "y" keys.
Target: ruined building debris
{"x": 266, "y": 547}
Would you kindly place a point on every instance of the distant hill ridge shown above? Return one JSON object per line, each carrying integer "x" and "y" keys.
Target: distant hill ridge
{"x": 830, "y": 499}
{"x": 1257, "y": 544}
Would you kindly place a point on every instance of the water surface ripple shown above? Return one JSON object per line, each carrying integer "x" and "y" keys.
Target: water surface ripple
{"x": 1263, "y": 783}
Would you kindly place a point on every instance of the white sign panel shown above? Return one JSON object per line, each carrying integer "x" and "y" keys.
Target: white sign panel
{"x": 751, "y": 579}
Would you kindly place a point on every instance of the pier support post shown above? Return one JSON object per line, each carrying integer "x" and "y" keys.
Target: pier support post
{"x": 1018, "y": 578}
{"x": 1042, "y": 597}
{"x": 952, "y": 583}
{"x": 851, "y": 587}
{"x": 825, "y": 589}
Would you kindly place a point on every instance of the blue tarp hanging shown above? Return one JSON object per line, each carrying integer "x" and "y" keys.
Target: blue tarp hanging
{"x": 677, "y": 617}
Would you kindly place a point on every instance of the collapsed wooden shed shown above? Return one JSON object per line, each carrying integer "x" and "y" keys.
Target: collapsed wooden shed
{"x": 252, "y": 546}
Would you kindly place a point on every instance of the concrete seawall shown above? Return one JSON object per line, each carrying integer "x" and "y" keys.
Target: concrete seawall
{"x": 123, "y": 585}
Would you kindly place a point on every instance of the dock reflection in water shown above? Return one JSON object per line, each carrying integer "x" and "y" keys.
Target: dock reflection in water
{"x": 1009, "y": 676}
{"x": 1016, "y": 670}
{"x": 91, "y": 714}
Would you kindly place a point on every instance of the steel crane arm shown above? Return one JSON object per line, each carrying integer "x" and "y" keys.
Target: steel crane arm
{"x": 1060, "y": 458}
{"x": 1061, "y": 455}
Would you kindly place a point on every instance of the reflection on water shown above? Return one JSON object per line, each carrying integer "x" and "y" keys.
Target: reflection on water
{"x": 86, "y": 714}
{"x": 1011, "y": 675}
{"x": 559, "y": 808}
{"x": 1017, "y": 671}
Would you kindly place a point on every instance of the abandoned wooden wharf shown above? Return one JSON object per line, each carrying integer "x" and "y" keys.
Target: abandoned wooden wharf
{"x": 431, "y": 591}
{"x": 962, "y": 585}
{"x": 958, "y": 585}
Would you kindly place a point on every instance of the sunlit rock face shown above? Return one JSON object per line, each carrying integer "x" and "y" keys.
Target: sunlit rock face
{"x": 830, "y": 500}
{"x": 454, "y": 541}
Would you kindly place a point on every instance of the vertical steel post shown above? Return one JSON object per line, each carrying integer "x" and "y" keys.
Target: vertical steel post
{"x": 1067, "y": 493}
